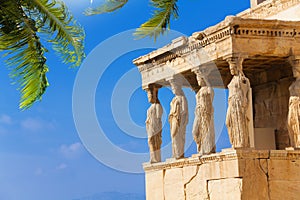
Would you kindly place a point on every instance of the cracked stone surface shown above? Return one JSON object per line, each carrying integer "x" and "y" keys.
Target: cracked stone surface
{"x": 173, "y": 184}
{"x": 232, "y": 175}
{"x": 196, "y": 188}
{"x": 255, "y": 181}
{"x": 264, "y": 165}
{"x": 189, "y": 172}
{"x": 225, "y": 189}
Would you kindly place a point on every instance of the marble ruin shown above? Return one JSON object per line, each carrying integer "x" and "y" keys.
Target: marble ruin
{"x": 256, "y": 56}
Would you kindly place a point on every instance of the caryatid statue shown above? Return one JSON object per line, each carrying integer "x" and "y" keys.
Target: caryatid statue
{"x": 154, "y": 124}
{"x": 238, "y": 113}
{"x": 203, "y": 128}
{"x": 178, "y": 119}
{"x": 294, "y": 107}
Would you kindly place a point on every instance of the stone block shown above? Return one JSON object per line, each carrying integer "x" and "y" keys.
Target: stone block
{"x": 287, "y": 170}
{"x": 225, "y": 189}
{"x": 264, "y": 165}
{"x": 284, "y": 190}
{"x": 155, "y": 185}
{"x": 219, "y": 170}
{"x": 255, "y": 182}
{"x": 173, "y": 184}
{"x": 196, "y": 189}
{"x": 233, "y": 174}
{"x": 189, "y": 172}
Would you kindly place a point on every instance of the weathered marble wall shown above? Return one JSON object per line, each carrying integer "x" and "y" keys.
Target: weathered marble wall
{"x": 231, "y": 174}
{"x": 271, "y": 99}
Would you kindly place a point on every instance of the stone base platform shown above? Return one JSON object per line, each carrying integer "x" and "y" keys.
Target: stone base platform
{"x": 232, "y": 174}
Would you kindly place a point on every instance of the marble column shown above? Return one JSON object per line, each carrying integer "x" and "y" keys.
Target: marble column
{"x": 293, "y": 121}
{"x": 154, "y": 123}
{"x": 239, "y": 113}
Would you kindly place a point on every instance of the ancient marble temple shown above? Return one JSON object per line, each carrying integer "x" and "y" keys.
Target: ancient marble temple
{"x": 256, "y": 56}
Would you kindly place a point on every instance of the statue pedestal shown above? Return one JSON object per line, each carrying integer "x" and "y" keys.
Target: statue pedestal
{"x": 232, "y": 174}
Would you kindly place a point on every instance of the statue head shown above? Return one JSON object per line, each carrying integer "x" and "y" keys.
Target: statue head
{"x": 152, "y": 93}
{"x": 235, "y": 65}
{"x": 296, "y": 71}
{"x": 200, "y": 78}
{"x": 234, "y": 70}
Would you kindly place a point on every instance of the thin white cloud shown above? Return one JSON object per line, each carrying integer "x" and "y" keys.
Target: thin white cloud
{"x": 34, "y": 125}
{"x": 5, "y": 119}
{"x": 62, "y": 166}
{"x": 71, "y": 151}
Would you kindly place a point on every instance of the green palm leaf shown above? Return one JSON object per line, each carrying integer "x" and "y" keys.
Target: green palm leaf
{"x": 26, "y": 54}
{"x": 22, "y": 23}
{"x": 66, "y": 35}
{"x": 108, "y": 6}
{"x": 160, "y": 21}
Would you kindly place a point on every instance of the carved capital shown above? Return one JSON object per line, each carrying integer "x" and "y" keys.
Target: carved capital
{"x": 200, "y": 74}
{"x": 177, "y": 79}
{"x": 236, "y": 62}
{"x": 204, "y": 70}
{"x": 152, "y": 92}
{"x": 152, "y": 87}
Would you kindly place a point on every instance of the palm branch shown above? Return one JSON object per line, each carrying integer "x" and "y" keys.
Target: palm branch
{"x": 22, "y": 23}
{"x": 155, "y": 26}
{"x": 160, "y": 21}
{"x": 66, "y": 35}
{"x": 108, "y": 6}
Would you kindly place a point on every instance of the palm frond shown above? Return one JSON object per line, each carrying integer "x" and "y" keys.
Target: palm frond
{"x": 108, "y": 6}
{"x": 160, "y": 21}
{"x": 22, "y": 23}
{"x": 66, "y": 35}
{"x": 26, "y": 53}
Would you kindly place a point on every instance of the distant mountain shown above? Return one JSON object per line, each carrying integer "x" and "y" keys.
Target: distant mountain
{"x": 114, "y": 196}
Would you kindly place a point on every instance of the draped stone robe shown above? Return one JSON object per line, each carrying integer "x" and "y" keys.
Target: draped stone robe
{"x": 154, "y": 129}
{"x": 203, "y": 128}
{"x": 237, "y": 118}
{"x": 294, "y": 114}
{"x": 178, "y": 119}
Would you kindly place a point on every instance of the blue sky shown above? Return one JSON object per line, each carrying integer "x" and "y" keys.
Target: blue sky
{"x": 42, "y": 155}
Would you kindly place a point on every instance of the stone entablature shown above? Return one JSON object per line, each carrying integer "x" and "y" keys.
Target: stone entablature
{"x": 258, "y": 41}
